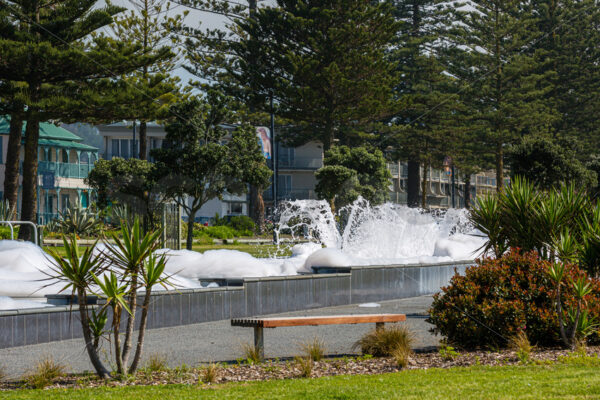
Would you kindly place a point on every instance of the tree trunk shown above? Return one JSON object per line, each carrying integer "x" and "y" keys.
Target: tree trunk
{"x": 412, "y": 184}
{"x": 467, "y": 193}
{"x": 257, "y": 208}
{"x": 190, "y": 233}
{"x": 30, "y": 176}
{"x": 499, "y": 167}
{"x": 143, "y": 141}
{"x": 141, "y": 332}
{"x": 424, "y": 186}
{"x": 87, "y": 336}
{"x": 117, "y": 339}
{"x": 13, "y": 155}
{"x": 130, "y": 317}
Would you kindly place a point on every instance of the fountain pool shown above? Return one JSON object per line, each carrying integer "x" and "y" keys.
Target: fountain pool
{"x": 359, "y": 235}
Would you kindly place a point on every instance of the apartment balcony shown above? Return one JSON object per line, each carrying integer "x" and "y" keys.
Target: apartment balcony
{"x": 65, "y": 170}
{"x": 300, "y": 163}
{"x": 297, "y": 194}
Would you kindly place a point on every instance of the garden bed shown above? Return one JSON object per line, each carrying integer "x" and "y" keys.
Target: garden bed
{"x": 290, "y": 369}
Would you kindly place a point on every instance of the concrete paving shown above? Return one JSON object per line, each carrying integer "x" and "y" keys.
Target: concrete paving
{"x": 219, "y": 341}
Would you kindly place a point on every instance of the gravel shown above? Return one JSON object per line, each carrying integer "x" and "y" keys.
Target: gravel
{"x": 219, "y": 341}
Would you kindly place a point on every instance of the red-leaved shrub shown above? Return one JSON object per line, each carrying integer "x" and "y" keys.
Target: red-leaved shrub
{"x": 498, "y": 297}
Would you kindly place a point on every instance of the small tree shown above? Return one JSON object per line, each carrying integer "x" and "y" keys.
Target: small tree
{"x": 119, "y": 272}
{"x": 130, "y": 182}
{"x": 201, "y": 161}
{"x": 351, "y": 172}
{"x": 548, "y": 164}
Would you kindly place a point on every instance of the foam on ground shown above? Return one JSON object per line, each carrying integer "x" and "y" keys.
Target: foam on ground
{"x": 382, "y": 235}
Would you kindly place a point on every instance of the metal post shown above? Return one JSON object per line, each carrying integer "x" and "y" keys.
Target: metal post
{"x": 259, "y": 344}
{"x": 453, "y": 191}
{"x": 133, "y": 143}
{"x": 275, "y": 161}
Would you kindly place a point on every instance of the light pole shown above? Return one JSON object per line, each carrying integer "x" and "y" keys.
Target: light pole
{"x": 133, "y": 143}
{"x": 274, "y": 157}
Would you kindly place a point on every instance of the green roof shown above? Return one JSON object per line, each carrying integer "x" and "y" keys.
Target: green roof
{"x": 66, "y": 144}
{"x": 50, "y": 135}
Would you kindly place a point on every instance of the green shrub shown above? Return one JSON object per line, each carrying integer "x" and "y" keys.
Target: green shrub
{"x": 44, "y": 374}
{"x": 157, "y": 363}
{"x": 386, "y": 341}
{"x": 5, "y": 232}
{"x": 242, "y": 223}
{"x": 497, "y": 298}
{"x": 313, "y": 349}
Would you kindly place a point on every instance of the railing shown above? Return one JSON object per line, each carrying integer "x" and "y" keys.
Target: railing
{"x": 299, "y": 194}
{"x": 44, "y": 218}
{"x": 65, "y": 170}
{"x": 311, "y": 163}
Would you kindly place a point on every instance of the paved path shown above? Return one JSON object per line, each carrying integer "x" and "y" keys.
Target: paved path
{"x": 219, "y": 341}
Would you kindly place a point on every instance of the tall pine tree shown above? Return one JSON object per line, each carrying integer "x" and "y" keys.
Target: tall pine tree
{"x": 46, "y": 45}
{"x": 491, "y": 44}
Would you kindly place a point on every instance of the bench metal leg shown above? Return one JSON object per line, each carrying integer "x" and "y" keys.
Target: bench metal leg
{"x": 259, "y": 344}
{"x": 379, "y": 326}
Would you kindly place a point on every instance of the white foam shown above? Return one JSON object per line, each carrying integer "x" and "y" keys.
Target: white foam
{"x": 369, "y": 305}
{"x": 386, "y": 234}
{"x": 6, "y": 303}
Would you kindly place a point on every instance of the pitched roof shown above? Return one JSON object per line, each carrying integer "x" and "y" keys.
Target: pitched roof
{"x": 50, "y": 134}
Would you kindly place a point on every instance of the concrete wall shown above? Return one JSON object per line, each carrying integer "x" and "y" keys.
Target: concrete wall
{"x": 258, "y": 296}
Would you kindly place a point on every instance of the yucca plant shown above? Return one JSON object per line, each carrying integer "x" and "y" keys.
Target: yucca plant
{"x": 485, "y": 216}
{"x": 518, "y": 205}
{"x": 80, "y": 221}
{"x": 76, "y": 270}
{"x": 581, "y": 287}
{"x": 114, "y": 292}
{"x": 130, "y": 256}
{"x": 153, "y": 273}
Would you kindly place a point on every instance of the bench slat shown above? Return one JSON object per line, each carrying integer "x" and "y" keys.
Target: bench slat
{"x": 317, "y": 320}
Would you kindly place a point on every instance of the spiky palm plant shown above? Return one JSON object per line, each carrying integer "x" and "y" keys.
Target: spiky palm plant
{"x": 80, "y": 221}
{"x": 77, "y": 270}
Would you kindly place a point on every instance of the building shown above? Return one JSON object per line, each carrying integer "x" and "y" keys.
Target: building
{"x": 296, "y": 172}
{"x": 118, "y": 141}
{"x": 63, "y": 164}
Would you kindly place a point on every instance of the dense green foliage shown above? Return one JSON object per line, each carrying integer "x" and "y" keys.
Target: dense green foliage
{"x": 324, "y": 62}
{"x": 131, "y": 183}
{"x": 53, "y": 59}
{"x": 203, "y": 160}
{"x": 548, "y": 164}
{"x": 563, "y": 223}
{"x": 350, "y": 172}
{"x": 497, "y": 298}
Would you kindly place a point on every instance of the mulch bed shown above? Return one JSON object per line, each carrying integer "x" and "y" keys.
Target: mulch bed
{"x": 275, "y": 369}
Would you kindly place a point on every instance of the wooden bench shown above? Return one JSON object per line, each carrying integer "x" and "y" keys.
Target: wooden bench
{"x": 259, "y": 323}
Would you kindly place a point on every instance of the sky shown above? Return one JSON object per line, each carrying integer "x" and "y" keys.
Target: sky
{"x": 195, "y": 19}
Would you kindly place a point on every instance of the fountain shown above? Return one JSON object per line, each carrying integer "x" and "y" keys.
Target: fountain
{"x": 359, "y": 235}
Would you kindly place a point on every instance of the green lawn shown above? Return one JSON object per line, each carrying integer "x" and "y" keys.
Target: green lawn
{"x": 532, "y": 382}
{"x": 265, "y": 250}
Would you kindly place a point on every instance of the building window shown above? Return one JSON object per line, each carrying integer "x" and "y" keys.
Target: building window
{"x": 286, "y": 156}
{"x": 115, "y": 148}
{"x": 284, "y": 185}
{"x": 125, "y": 148}
{"x": 65, "y": 155}
{"x": 65, "y": 202}
{"x": 84, "y": 158}
{"x": 236, "y": 208}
